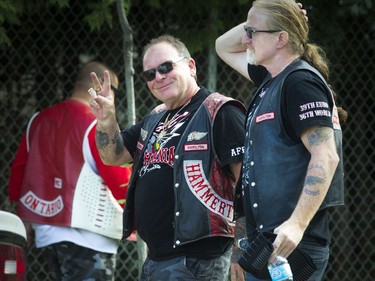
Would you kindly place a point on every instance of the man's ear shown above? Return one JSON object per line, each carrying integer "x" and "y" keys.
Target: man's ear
{"x": 193, "y": 69}
{"x": 282, "y": 39}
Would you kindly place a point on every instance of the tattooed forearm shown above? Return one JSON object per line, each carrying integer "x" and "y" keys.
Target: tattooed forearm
{"x": 111, "y": 145}
{"x": 314, "y": 180}
{"x": 102, "y": 139}
{"x": 119, "y": 145}
{"x": 319, "y": 136}
{"x": 316, "y": 176}
{"x": 311, "y": 192}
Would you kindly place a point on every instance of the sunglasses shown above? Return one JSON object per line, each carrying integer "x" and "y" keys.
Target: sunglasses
{"x": 163, "y": 68}
{"x": 249, "y": 31}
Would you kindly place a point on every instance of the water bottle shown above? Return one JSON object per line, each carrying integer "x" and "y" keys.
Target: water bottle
{"x": 279, "y": 269}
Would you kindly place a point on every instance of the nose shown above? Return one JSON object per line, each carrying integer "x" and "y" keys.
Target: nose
{"x": 159, "y": 76}
{"x": 245, "y": 39}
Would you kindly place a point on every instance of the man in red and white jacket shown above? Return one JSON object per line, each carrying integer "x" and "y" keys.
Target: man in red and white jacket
{"x": 71, "y": 198}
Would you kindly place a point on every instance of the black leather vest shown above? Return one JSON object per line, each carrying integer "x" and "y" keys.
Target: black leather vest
{"x": 204, "y": 192}
{"x": 276, "y": 166}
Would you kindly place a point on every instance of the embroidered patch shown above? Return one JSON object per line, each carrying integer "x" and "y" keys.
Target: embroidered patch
{"x": 265, "y": 117}
{"x": 196, "y": 147}
{"x": 237, "y": 151}
{"x": 335, "y": 119}
{"x": 42, "y": 207}
{"x": 140, "y": 145}
{"x": 203, "y": 191}
{"x": 196, "y": 136}
{"x": 314, "y": 109}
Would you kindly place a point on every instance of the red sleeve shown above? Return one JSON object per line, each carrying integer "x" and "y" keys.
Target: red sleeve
{"x": 115, "y": 177}
{"x": 17, "y": 171}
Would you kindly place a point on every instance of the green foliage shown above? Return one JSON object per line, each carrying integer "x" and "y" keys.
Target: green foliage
{"x": 58, "y": 3}
{"x": 155, "y": 4}
{"x": 9, "y": 6}
{"x": 99, "y": 12}
{"x": 3, "y": 38}
{"x": 9, "y": 14}
{"x": 359, "y": 7}
{"x": 100, "y": 15}
{"x": 329, "y": 20}
{"x": 198, "y": 23}
{"x": 181, "y": 17}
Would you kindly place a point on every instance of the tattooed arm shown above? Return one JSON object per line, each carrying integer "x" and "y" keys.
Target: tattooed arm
{"x": 110, "y": 145}
{"x": 319, "y": 141}
{"x": 108, "y": 139}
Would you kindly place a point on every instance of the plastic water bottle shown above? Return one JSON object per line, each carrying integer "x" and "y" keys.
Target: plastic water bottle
{"x": 279, "y": 269}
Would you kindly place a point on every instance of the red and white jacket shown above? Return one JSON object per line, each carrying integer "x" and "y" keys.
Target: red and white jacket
{"x": 58, "y": 177}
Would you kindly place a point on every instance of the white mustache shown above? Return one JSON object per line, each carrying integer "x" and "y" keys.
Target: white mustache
{"x": 250, "y": 56}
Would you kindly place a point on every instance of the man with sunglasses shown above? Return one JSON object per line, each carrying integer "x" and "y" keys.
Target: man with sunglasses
{"x": 292, "y": 168}
{"x": 187, "y": 154}
{"x": 64, "y": 189}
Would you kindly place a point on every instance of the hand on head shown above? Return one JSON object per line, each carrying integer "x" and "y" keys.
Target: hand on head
{"x": 303, "y": 11}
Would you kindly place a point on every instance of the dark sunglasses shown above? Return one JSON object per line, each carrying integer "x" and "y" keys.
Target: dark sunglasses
{"x": 249, "y": 31}
{"x": 163, "y": 68}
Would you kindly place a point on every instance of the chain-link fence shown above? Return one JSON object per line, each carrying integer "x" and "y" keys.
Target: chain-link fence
{"x": 48, "y": 47}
